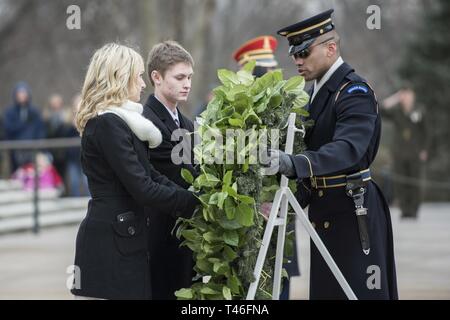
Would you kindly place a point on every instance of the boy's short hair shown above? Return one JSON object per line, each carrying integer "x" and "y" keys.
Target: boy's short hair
{"x": 166, "y": 54}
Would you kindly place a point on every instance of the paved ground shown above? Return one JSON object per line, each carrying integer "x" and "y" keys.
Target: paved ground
{"x": 34, "y": 267}
{"x": 422, "y": 251}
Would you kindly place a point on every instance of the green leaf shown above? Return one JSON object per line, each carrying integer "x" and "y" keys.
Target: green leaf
{"x": 208, "y": 290}
{"x": 193, "y": 246}
{"x": 277, "y": 75}
{"x": 261, "y": 84}
{"x": 211, "y": 112}
{"x": 231, "y": 192}
{"x": 262, "y": 106}
{"x": 244, "y": 215}
{"x": 252, "y": 119}
{"x": 221, "y": 267}
{"x": 294, "y": 85}
{"x": 249, "y": 66}
{"x": 230, "y": 207}
{"x": 227, "y": 178}
{"x": 204, "y": 199}
{"x": 275, "y": 101}
{"x": 222, "y": 123}
{"x": 220, "y": 92}
{"x": 301, "y": 112}
{"x": 236, "y": 92}
{"x": 229, "y": 224}
{"x": 236, "y": 122}
{"x": 211, "y": 236}
{"x": 226, "y": 293}
{"x": 234, "y": 284}
{"x": 190, "y": 235}
{"x": 231, "y": 238}
{"x": 227, "y": 77}
{"x": 207, "y": 180}
{"x": 246, "y": 199}
{"x": 213, "y": 199}
{"x": 242, "y": 102}
{"x": 211, "y": 215}
{"x": 245, "y": 166}
{"x": 222, "y": 197}
{"x": 246, "y": 78}
{"x": 211, "y": 248}
{"x": 204, "y": 266}
{"x": 205, "y": 214}
{"x": 229, "y": 254}
{"x": 187, "y": 176}
{"x": 184, "y": 294}
{"x": 227, "y": 112}
{"x": 301, "y": 100}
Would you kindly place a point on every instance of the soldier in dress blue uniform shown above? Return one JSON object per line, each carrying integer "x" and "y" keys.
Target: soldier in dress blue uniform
{"x": 346, "y": 207}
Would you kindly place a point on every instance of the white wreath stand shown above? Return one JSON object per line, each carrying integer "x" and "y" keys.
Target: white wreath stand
{"x": 278, "y": 218}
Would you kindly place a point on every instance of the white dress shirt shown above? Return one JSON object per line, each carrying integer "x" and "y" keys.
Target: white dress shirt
{"x": 326, "y": 77}
{"x": 174, "y": 115}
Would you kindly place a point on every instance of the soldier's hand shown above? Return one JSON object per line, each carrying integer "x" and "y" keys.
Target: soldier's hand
{"x": 281, "y": 163}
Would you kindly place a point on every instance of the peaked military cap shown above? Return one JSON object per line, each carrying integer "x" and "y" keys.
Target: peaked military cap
{"x": 302, "y": 34}
{"x": 260, "y": 49}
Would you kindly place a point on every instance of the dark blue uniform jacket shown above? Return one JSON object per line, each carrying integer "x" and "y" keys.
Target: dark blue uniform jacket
{"x": 344, "y": 140}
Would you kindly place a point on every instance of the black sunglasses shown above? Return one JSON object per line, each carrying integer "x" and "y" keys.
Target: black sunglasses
{"x": 305, "y": 53}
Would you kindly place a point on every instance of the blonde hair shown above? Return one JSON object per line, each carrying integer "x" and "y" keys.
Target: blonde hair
{"x": 113, "y": 69}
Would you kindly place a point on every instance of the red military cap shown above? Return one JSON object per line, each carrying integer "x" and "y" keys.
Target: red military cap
{"x": 260, "y": 49}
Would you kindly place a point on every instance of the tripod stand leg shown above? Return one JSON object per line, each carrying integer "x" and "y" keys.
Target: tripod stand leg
{"x": 265, "y": 244}
{"x": 280, "y": 249}
{"x": 320, "y": 246}
{"x": 297, "y": 242}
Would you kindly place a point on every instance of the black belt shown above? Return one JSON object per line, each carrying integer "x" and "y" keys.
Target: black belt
{"x": 336, "y": 181}
{"x": 355, "y": 187}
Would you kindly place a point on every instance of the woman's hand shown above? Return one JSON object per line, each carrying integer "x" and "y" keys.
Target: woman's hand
{"x": 265, "y": 209}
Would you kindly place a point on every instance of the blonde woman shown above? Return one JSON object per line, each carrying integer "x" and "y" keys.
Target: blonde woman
{"x": 112, "y": 249}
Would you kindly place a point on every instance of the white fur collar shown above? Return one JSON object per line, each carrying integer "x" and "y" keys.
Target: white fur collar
{"x": 144, "y": 129}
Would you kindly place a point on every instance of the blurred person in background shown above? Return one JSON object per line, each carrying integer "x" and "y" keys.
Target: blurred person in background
{"x": 49, "y": 178}
{"x": 409, "y": 150}
{"x": 22, "y": 121}
{"x": 77, "y": 181}
{"x": 262, "y": 51}
{"x": 55, "y": 128}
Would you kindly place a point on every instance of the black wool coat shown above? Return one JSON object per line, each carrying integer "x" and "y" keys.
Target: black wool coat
{"x": 112, "y": 248}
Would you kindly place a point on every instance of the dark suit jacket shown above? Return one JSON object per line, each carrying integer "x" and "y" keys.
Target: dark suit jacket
{"x": 173, "y": 267}
{"x": 113, "y": 256}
